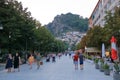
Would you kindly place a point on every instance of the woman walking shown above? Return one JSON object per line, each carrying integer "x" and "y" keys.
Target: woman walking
{"x": 9, "y": 63}
{"x": 31, "y": 60}
{"x": 17, "y": 62}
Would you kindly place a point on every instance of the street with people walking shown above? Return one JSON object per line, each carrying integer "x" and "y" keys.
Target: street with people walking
{"x": 52, "y": 40}
{"x": 62, "y": 69}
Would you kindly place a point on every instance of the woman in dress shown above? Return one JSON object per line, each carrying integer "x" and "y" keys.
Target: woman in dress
{"x": 31, "y": 60}
{"x": 16, "y": 62}
{"x": 9, "y": 63}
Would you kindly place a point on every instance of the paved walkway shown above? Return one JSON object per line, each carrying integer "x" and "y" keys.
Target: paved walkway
{"x": 63, "y": 69}
{"x": 2, "y": 67}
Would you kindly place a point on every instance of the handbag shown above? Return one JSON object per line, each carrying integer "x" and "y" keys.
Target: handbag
{"x": 41, "y": 63}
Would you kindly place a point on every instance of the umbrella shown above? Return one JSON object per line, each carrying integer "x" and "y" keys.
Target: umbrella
{"x": 103, "y": 50}
{"x": 114, "y": 55}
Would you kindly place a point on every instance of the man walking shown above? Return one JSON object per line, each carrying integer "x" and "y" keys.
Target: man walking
{"x": 81, "y": 58}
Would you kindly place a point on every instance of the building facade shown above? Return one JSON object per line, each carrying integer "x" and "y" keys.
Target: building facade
{"x": 99, "y": 12}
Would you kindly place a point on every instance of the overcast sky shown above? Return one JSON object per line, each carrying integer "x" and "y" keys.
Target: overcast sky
{"x": 45, "y": 10}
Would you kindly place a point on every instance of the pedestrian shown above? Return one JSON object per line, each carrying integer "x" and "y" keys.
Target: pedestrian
{"x": 9, "y": 63}
{"x": 17, "y": 62}
{"x": 59, "y": 55}
{"x": 53, "y": 58}
{"x": 81, "y": 58}
{"x": 75, "y": 60}
{"x": 31, "y": 60}
{"x": 38, "y": 60}
{"x": 48, "y": 58}
{"x": 70, "y": 54}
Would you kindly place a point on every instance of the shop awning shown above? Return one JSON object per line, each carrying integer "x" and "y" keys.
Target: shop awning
{"x": 92, "y": 50}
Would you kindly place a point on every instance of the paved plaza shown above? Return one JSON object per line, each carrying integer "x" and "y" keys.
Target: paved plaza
{"x": 62, "y": 69}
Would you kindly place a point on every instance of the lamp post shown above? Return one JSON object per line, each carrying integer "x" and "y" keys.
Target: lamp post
{"x": 1, "y": 28}
{"x": 9, "y": 42}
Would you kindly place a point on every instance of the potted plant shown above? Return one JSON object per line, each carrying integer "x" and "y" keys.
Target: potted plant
{"x": 101, "y": 65}
{"x": 116, "y": 74}
{"x": 96, "y": 63}
{"x": 106, "y": 69}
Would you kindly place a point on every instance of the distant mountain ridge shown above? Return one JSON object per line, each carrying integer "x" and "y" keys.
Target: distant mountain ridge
{"x": 67, "y": 22}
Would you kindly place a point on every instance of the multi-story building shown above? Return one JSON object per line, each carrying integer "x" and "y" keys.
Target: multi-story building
{"x": 99, "y": 12}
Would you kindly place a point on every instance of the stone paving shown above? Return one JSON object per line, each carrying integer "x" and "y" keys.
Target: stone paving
{"x": 62, "y": 69}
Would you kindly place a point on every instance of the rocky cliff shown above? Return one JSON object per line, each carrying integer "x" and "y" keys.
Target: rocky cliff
{"x": 67, "y": 22}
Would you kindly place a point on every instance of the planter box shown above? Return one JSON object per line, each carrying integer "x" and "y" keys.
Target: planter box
{"x": 97, "y": 66}
{"x": 107, "y": 72}
{"x": 116, "y": 76}
{"x": 101, "y": 69}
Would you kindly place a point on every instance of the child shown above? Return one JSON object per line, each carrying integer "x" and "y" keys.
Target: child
{"x": 75, "y": 59}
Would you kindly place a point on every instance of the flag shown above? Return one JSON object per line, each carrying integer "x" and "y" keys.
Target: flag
{"x": 114, "y": 55}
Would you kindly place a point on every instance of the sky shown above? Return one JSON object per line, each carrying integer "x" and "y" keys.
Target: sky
{"x": 45, "y": 10}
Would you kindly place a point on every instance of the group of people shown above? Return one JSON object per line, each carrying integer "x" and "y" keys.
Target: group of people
{"x": 51, "y": 56}
{"x": 78, "y": 58}
{"x": 36, "y": 59}
{"x": 15, "y": 61}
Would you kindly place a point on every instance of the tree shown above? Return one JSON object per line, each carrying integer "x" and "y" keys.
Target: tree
{"x": 18, "y": 24}
{"x": 82, "y": 43}
{"x": 112, "y": 26}
{"x": 97, "y": 35}
{"x": 93, "y": 38}
{"x": 44, "y": 37}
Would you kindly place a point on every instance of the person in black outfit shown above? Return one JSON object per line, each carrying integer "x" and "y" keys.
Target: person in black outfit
{"x": 53, "y": 58}
{"x": 16, "y": 62}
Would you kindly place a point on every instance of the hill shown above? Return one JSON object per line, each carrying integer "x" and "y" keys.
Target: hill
{"x": 67, "y": 22}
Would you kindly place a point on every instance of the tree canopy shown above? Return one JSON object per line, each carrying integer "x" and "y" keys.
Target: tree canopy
{"x": 21, "y": 32}
{"x": 98, "y": 35}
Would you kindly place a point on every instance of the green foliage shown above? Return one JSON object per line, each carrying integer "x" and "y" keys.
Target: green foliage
{"x": 93, "y": 38}
{"x": 97, "y": 35}
{"x": 96, "y": 60}
{"x": 116, "y": 67}
{"x": 89, "y": 57}
{"x": 23, "y": 33}
{"x": 106, "y": 66}
{"x": 82, "y": 43}
{"x": 46, "y": 42}
{"x": 112, "y": 26}
{"x": 17, "y": 23}
{"x": 43, "y": 38}
{"x": 102, "y": 61}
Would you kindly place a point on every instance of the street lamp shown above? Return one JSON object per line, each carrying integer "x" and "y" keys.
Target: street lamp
{"x": 9, "y": 42}
{"x": 1, "y": 28}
